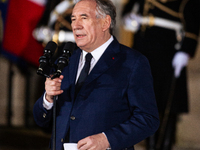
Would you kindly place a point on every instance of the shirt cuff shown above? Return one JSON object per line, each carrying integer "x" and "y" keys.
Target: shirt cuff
{"x": 108, "y": 141}
{"x": 47, "y": 105}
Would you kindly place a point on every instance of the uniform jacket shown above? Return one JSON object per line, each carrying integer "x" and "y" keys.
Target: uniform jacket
{"x": 117, "y": 98}
{"x": 158, "y": 45}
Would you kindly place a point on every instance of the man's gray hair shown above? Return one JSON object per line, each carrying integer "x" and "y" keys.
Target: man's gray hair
{"x": 106, "y": 7}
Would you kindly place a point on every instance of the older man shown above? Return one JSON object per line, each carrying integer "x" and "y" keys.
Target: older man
{"x": 114, "y": 107}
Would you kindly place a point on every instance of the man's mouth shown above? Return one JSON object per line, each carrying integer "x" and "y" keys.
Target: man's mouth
{"x": 80, "y": 35}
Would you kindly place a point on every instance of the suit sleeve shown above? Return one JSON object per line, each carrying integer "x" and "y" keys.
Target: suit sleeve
{"x": 42, "y": 117}
{"x": 145, "y": 119}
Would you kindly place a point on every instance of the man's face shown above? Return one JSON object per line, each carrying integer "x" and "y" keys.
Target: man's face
{"x": 86, "y": 27}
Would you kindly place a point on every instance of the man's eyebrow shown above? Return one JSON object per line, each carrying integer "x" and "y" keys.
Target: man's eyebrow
{"x": 83, "y": 15}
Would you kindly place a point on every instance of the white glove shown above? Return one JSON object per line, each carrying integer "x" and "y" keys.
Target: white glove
{"x": 43, "y": 33}
{"x": 65, "y": 36}
{"x": 131, "y": 22}
{"x": 59, "y": 9}
{"x": 179, "y": 61}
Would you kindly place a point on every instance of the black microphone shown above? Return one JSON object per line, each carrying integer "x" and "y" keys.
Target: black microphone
{"x": 45, "y": 59}
{"x": 64, "y": 59}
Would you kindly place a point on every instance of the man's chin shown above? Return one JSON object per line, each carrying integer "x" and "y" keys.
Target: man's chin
{"x": 80, "y": 45}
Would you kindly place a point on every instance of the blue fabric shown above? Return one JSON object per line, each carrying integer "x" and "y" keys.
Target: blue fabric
{"x": 117, "y": 98}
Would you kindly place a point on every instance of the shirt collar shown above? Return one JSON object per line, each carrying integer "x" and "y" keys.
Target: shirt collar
{"x": 98, "y": 51}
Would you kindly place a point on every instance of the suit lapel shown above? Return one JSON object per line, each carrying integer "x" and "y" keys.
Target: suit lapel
{"x": 74, "y": 61}
{"x": 109, "y": 57}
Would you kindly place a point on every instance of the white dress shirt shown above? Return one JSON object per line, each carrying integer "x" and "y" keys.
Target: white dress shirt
{"x": 96, "y": 54}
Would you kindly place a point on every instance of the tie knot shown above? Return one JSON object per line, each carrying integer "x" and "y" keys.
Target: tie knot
{"x": 88, "y": 57}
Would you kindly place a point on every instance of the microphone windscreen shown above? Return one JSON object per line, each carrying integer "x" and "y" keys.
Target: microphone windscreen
{"x": 51, "y": 46}
{"x": 69, "y": 46}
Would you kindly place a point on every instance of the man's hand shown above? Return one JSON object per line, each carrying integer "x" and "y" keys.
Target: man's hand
{"x": 94, "y": 142}
{"x": 52, "y": 88}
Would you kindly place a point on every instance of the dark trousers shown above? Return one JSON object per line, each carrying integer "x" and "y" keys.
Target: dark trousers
{"x": 163, "y": 140}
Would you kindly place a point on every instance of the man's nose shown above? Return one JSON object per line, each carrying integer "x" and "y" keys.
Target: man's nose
{"x": 76, "y": 25}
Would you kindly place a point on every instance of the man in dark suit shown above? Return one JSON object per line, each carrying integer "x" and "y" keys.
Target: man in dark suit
{"x": 115, "y": 107}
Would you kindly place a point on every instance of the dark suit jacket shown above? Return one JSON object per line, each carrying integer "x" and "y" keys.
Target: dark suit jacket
{"x": 117, "y": 98}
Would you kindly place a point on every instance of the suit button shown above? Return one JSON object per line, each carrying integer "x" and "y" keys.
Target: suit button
{"x": 62, "y": 140}
{"x": 44, "y": 115}
{"x": 72, "y": 118}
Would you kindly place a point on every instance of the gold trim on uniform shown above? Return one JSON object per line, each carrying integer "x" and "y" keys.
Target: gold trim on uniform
{"x": 64, "y": 22}
{"x": 147, "y": 6}
{"x": 55, "y": 12}
{"x": 149, "y": 3}
{"x": 181, "y": 9}
{"x": 55, "y": 37}
{"x": 151, "y": 21}
{"x": 191, "y": 35}
{"x": 165, "y": 1}
{"x": 165, "y": 9}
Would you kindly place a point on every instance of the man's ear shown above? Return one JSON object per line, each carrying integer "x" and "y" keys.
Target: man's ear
{"x": 106, "y": 23}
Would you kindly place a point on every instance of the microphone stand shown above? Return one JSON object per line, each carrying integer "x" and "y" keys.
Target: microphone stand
{"x": 54, "y": 122}
{"x": 55, "y": 98}
{"x": 62, "y": 62}
{"x": 167, "y": 112}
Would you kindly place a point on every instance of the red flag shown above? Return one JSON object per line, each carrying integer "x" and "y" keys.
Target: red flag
{"x": 22, "y": 18}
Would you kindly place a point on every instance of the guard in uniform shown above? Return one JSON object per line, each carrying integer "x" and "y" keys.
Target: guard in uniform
{"x": 55, "y": 24}
{"x": 166, "y": 32}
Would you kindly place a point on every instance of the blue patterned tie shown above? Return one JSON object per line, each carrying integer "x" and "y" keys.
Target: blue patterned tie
{"x": 84, "y": 73}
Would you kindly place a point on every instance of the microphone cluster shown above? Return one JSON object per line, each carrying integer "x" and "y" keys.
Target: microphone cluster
{"x": 46, "y": 58}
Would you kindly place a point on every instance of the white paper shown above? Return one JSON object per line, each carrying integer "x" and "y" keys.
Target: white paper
{"x": 70, "y": 146}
